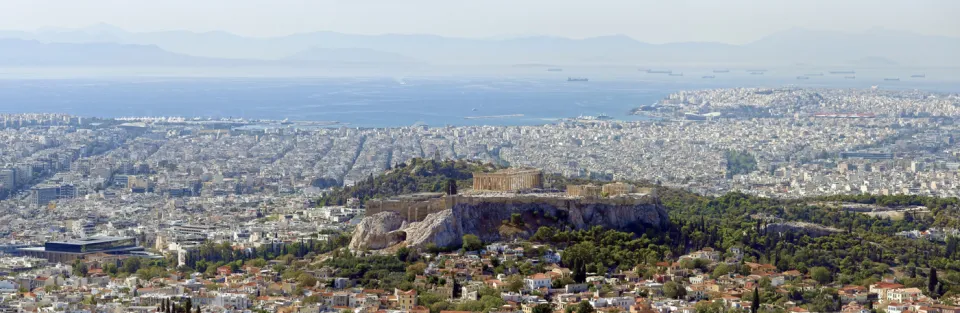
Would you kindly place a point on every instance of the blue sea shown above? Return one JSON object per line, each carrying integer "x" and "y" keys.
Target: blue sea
{"x": 529, "y": 97}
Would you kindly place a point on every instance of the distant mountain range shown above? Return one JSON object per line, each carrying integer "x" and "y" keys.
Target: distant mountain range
{"x": 351, "y": 56}
{"x": 105, "y": 44}
{"x": 18, "y": 52}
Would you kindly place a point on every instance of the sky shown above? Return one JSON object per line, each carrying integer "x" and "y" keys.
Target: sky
{"x": 655, "y": 21}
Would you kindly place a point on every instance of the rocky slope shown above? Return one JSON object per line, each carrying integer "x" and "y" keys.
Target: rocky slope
{"x": 486, "y": 217}
{"x": 373, "y": 231}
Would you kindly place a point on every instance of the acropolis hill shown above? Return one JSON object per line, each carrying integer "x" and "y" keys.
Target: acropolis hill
{"x": 416, "y": 220}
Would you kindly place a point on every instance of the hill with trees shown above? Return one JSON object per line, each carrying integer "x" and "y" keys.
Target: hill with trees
{"x": 417, "y": 175}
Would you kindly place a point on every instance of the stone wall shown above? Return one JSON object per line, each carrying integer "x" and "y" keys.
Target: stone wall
{"x": 585, "y": 191}
{"x": 412, "y": 209}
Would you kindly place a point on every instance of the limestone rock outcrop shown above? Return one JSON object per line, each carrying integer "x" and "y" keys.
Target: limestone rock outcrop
{"x": 484, "y": 217}
{"x": 439, "y": 228}
{"x": 373, "y": 232}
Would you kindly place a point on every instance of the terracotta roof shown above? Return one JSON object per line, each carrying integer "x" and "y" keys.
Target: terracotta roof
{"x": 882, "y": 285}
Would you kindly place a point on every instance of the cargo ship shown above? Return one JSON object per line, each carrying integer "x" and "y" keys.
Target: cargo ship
{"x": 577, "y": 79}
{"x": 843, "y": 72}
{"x": 815, "y": 74}
{"x": 676, "y": 74}
{"x": 721, "y": 71}
{"x": 918, "y": 75}
{"x": 892, "y": 79}
{"x": 709, "y": 76}
{"x": 554, "y": 70}
{"x": 850, "y": 77}
{"x": 756, "y": 73}
{"x": 803, "y": 77}
{"x": 659, "y": 72}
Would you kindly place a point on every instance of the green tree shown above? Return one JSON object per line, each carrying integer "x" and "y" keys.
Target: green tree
{"x": 755, "y": 301}
{"x": 674, "y": 290}
{"x": 740, "y": 162}
{"x": 79, "y": 268}
{"x": 577, "y": 257}
{"x": 952, "y": 244}
{"x": 440, "y": 306}
{"x": 427, "y": 299}
{"x": 472, "y": 243}
{"x": 821, "y": 275}
{"x": 451, "y": 186}
{"x": 306, "y": 280}
{"x": 403, "y": 254}
{"x": 543, "y": 308}
{"x": 721, "y": 270}
{"x": 544, "y": 233}
{"x": 709, "y": 307}
{"x": 516, "y": 219}
{"x": 492, "y": 302}
{"x": 514, "y": 283}
{"x": 932, "y": 282}
{"x": 585, "y": 307}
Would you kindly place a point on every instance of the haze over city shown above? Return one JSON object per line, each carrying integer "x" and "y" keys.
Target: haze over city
{"x": 733, "y": 22}
{"x": 427, "y": 156}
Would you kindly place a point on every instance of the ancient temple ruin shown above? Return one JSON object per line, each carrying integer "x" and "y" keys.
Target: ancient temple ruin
{"x": 508, "y": 180}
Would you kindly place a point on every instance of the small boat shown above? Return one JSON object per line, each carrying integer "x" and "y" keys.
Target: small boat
{"x": 803, "y": 77}
{"x": 892, "y": 79}
{"x": 918, "y": 75}
{"x": 709, "y": 76}
{"x": 850, "y": 77}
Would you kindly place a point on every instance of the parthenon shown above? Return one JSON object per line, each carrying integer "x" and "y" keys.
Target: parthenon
{"x": 508, "y": 180}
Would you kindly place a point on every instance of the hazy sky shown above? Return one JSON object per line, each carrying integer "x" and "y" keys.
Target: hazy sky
{"x": 732, "y": 21}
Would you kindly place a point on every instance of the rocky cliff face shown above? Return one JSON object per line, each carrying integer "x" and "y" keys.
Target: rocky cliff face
{"x": 373, "y": 231}
{"x": 485, "y": 217}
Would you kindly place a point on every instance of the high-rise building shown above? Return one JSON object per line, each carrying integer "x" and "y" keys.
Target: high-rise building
{"x": 24, "y": 174}
{"x": 121, "y": 180}
{"x": 43, "y": 195}
{"x": 916, "y": 166}
{"x": 8, "y": 178}
{"x": 67, "y": 191}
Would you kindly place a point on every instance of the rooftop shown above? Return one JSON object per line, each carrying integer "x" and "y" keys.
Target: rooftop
{"x": 90, "y": 240}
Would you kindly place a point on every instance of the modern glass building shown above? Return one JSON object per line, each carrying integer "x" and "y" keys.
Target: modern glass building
{"x": 72, "y": 249}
